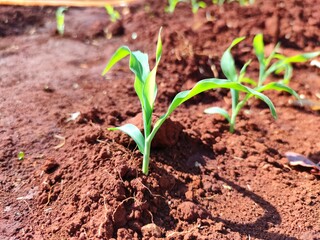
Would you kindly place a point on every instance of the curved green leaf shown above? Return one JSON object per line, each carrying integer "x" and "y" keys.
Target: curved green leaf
{"x": 243, "y": 70}
{"x": 218, "y": 110}
{"x": 302, "y": 57}
{"x": 278, "y": 87}
{"x": 134, "y": 133}
{"x": 150, "y": 86}
{"x": 248, "y": 80}
{"x": 287, "y": 74}
{"x": 139, "y": 65}
{"x": 236, "y": 41}
{"x": 121, "y": 53}
{"x": 272, "y": 55}
{"x": 258, "y": 46}
{"x": 205, "y": 85}
{"x": 227, "y": 62}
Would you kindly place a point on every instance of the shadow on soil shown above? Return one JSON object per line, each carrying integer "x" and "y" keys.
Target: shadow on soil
{"x": 259, "y": 228}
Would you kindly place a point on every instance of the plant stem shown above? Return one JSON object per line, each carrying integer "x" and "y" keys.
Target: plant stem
{"x": 235, "y": 100}
{"x": 146, "y": 157}
{"x": 235, "y": 112}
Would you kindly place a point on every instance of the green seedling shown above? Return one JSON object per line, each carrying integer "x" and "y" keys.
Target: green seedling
{"x": 146, "y": 89}
{"x": 21, "y": 156}
{"x": 113, "y": 14}
{"x": 229, "y": 70}
{"x": 196, "y": 5}
{"x": 60, "y": 20}
{"x": 277, "y": 63}
{"x": 172, "y": 5}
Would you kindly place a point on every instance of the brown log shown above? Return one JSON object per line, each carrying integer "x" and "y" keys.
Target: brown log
{"x": 69, "y": 3}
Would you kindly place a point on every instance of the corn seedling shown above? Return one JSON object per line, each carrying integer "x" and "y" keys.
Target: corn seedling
{"x": 195, "y": 5}
{"x": 146, "y": 90}
{"x": 21, "y": 156}
{"x": 172, "y": 5}
{"x": 229, "y": 70}
{"x": 60, "y": 20}
{"x": 113, "y": 14}
{"x": 281, "y": 63}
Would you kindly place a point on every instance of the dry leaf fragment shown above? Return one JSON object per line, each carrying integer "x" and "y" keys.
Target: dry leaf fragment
{"x": 73, "y": 116}
{"x": 63, "y": 141}
{"x": 315, "y": 63}
{"x": 296, "y": 159}
{"x": 306, "y": 103}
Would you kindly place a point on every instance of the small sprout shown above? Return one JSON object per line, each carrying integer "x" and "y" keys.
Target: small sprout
{"x": 196, "y": 5}
{"x": 146, "y": 89}
{"x": 172, "y": 5}
{"x": 21, "y": 156}
{"x": 113, "y": 14}
{"x": 60, "y": 20}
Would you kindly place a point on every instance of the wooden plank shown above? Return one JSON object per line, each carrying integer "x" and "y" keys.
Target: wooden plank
{"x": 69, "y": 3}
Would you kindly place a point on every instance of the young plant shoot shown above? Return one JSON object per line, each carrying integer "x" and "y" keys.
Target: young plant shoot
{"x": 113, "y": 14}
{"x": 60, "y": 20}
{"x": 146, "y": 89}
{"x": 282, "y": 63}
{"x": 195, "y": 5}
{"x": 172, "y": 5}
{"x": 229, "y": 70}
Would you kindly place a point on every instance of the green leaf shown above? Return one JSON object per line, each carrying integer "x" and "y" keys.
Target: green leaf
{"x": 249, "y": 81}
{"x": 60, "y": 19}
{"x": 204, "y": 85}
{"x": 121, "y": 53}
{"x": 272, "y": 55}
{"x": 134, "y": 133}
{"x": 236, "y": 41}
{"x": 150, "y": 87}
{"x": 258, "y": 46}
{"x": 243, "y": 70}
{"x": 278, "y": 87}
{"x": 139, "y": 65}
{"x": 302, "y": 57}
{"x": 21, "y": 156}
{"x": 202, "y": 4}
{"x": 218, "y": 110}
{"x": 172, "y": 5}
{"x": 287, "y": 74}
{"x": 227, "y": 62}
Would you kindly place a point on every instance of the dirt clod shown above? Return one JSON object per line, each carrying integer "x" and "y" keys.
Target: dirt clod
{"x": 190, "y": 211}
{"x": 151, "y": 230}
